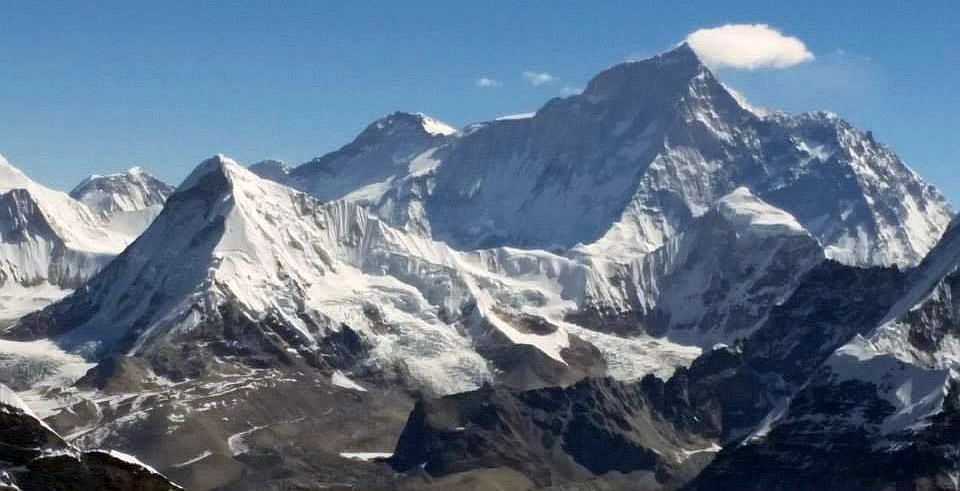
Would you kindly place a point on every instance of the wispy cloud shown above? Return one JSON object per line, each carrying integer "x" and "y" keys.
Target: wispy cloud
{"x": 487, "y": 82}
{"x": 748, "y": 47}
{"x": 570, "y": 90}
{"x": 537, "y": 79}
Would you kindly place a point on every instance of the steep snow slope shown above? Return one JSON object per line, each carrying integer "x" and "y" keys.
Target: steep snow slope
{"x": 649, "y": 146}
{"x": 49, "y": 243}
{"x": 130, "y": 200}
{"x": 715, "y": 282}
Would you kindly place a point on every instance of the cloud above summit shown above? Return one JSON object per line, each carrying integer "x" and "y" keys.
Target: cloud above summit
{"x": 748, "y": 47}
{"x": 537, "y": 79}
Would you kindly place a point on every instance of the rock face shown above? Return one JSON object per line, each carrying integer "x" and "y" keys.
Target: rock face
{"x": 553, "y": 435}
{"x": 880, "y": 411}
{"x": 649, "y": 433}
{"x": 35, "y": 457}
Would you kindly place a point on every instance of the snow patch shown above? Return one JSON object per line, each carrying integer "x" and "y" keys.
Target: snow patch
{"x": 237, "y": 443}
{"x": 435, "y": 127}
{"x": 913, "y": 391}
{"x": 198, "y": 458}
{"x": 341, "y": 380}
{"x": 755, "y": 216}
{"x": 366, "y": 456}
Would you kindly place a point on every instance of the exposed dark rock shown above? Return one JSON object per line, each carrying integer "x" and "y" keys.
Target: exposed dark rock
{"x": 553, "y": 435}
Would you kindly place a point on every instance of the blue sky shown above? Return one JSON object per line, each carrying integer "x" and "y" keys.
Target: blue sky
{"x": 96, "y": 87}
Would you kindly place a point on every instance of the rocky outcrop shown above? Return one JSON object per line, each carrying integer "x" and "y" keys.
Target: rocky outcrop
{"x": 34, "y": 457}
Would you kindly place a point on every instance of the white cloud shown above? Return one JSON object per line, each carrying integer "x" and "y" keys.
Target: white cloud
{"x": 488, "y": 82}
{"x": 537, "y": 79}
{"x": 570, "y": 90}
{"x": 748, "y": 46}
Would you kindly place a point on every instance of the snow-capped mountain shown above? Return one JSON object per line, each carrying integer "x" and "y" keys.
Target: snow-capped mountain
{"x": 655, "y": 221}
{"x": 51, "y": 243}
{"x": 628, "y": 164}
{"x": 393, "y": 146}
{"x": 306, "y": 275}
{"x": 231, "y": 247}
{"x": 130, "y": 200}
{"x": 650, "y": 145}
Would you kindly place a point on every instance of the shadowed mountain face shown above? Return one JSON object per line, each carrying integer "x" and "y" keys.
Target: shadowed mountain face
{"x": 879, "y": 411}
{"x": 555, "y": 435}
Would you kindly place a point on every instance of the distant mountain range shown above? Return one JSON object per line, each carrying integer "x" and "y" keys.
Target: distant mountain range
{"x": 650, "y": 285}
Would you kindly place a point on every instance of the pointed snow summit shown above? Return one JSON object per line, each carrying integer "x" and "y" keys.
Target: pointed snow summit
{"x": 74, "y": 223}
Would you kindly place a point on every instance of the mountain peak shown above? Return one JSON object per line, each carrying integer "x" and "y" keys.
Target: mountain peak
{"x": 666, "y": 72}
{"x": 418, "y": 121}
{"x": 135, "y": 173}
{"x": 134, "y": 197}
{"x": 12, "y": 177}
{"x": 682, "y": 53}
{"x": 435, "y": 126}
{"x": 219, "y": 164}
